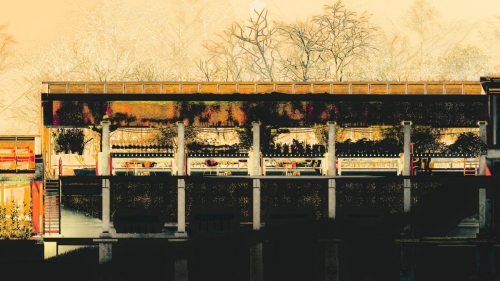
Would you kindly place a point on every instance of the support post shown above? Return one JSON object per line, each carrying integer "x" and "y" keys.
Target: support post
{"x": 331, "y": 198}
{"x": 482, "y": 210}
{"x": 181, "y": 191}
{"x": 180, "y": 148}
{"x": 482, "y": 158}
{"x": 407, "y": 166}
{"x": 494, "y": 117}
{"x": 331, "y": 148}
{"x": 256, "y": 259}
{"x": 331, "y": 248}
{"x": 482, "y": 190}
{"x": 407, "y": 269}
{"x": 406, "y": 147}
{"x": 331, "y": 261}
{"x": 256, "y": 149}
{"x": 105, "y": 207}
{"x": 105, "y": 247}
{"x": 256, "y": 204}
{"x": 256, "y": 264}
{"x": 485, "y": 254}
{"x": 181, "y": 270}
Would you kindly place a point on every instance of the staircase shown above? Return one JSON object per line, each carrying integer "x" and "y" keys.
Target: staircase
{"x": 471, "y": 168}
{"x": 51, "y": 213}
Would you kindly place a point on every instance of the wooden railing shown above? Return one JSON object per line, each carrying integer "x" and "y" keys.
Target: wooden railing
{"x": 343, "y": 88}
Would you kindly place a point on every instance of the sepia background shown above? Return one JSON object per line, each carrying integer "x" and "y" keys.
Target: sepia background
{"x": 211, "y": 40}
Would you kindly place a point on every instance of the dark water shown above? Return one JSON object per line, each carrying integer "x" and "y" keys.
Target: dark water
{"x": 289, "y": 258}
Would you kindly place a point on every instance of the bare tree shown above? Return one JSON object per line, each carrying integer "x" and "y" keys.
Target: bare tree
{"x": 345, "y": 36}
{"x": 181, "y": 27}
{"x": 463, "y": 63}
{"x": 303, "y": 61}
{"x": 490, "y": 34}
{"x": 389, "y": 61}
{"x": 6, "y": 42}
{"x": 421, "y": 49}
{"x": 227, "y": 60}
{"x": 115, "y": 41}
{"x": 257, "y": 40}
{"x": 432, "y": 38}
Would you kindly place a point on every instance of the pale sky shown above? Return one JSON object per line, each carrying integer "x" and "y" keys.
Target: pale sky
{"x": 34, "y": 21}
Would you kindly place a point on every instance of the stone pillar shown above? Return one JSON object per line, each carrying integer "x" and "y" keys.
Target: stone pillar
{"x": 494, "y": 117}
{"x": 331, "y": 148}
{"x": 105, "y": 172}
{"x": 407, "y": 269}
{"x": 485, "y": 254}
{"x": 331, "y": 248}
{"x": 482, "y": 210}
{"x": 256, "y": 149}
{"x": 256, "y": 261}
{"x": 105, "y": 207}
{"x": 181, "y": 270}
{"x": 181, "y": 191}
{"x": 331, "y": 261}
{"x": 407, "y": 166}
{"x": 331, "y": 198}
{"x": 406, "y": 148}
{"x": 482, "y": 130}
{"x": 482, "y": 158}
{"x": 180, "y": 149}
{"x": 256, "y": 264}
{"x": 256, "y": 204}
{"x": 482, "y": 190}
{"x": 105, "y": 246}
{"x": 105, "y": 146}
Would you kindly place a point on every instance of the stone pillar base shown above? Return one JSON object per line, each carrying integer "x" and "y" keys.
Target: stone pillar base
{"x": 105, "y": 247}
{"x": 180, "y": 235}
